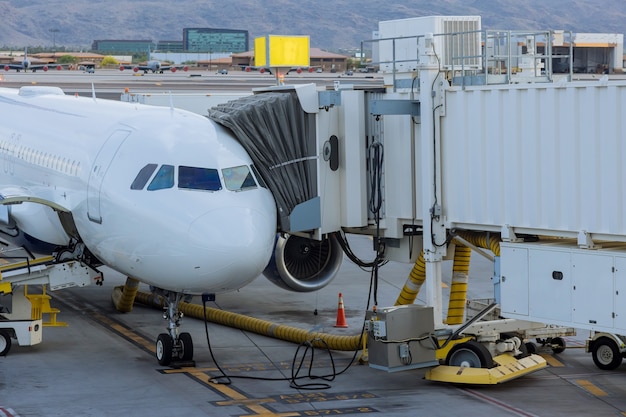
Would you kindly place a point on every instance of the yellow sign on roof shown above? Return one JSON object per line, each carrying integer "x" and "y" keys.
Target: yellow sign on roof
{"x": 281, "y": 51}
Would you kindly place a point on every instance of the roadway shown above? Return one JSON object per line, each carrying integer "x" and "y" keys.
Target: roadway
{"x": 103, "y": 363}
{"x": 110, "y": 83}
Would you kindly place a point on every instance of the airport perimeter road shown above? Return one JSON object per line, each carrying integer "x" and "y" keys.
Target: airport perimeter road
{"x": 111, "y": 83}
{"x": 103, "y": 363}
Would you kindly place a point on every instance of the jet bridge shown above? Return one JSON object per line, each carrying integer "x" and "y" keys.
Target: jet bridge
{"x": 475, "y": 141}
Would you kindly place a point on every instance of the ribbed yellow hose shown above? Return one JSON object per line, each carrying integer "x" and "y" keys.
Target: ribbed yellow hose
{"x": 413, "y": 283}
{"x": 481, "y": 240}
{"x": 123, "y": 300}
{"x": 458, "y": 287}
{"x": 262, "y": 327}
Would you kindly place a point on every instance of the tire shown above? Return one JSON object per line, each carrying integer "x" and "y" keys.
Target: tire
{"x": 531, "y": 348}
{"x": 186, "y": 347}
{"x": 5, "y": 343}
{"x": 164, "y": 346}
{"x": 471, "y": 354}
{"x": 558, "y": 344}
{"x": 605, "y": 354}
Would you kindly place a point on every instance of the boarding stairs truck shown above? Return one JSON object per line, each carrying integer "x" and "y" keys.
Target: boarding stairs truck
{"x": 25, "y": 279}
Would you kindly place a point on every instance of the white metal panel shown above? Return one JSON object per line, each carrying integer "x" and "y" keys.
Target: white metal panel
{"x": 514, "y": 279}
{"x": 620, "y": 292}
{"x": 550, "y": 282}
{"x": 400, "y": 203}
{"x": 538, "y": 156}
{"x": 352, "y": 156}
{"x": 329, "y": 182}
{"x": 592, "y": 289}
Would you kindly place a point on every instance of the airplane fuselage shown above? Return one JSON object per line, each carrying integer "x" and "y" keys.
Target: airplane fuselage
{"x": 159, "y": 194}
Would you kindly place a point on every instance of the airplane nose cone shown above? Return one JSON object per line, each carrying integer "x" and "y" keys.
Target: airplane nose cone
{"x": 232, "y": 244}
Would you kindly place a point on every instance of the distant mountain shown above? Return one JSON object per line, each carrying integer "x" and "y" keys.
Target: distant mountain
{"x": 331, "y": 24}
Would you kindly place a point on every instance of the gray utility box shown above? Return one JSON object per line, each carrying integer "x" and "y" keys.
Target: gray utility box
{"x": 399, "y": 338}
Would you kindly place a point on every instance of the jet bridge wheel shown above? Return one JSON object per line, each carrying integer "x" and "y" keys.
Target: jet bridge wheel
{"x": 470, "y": 354}
{"x": 5, "y": 343}
{"x": 606, "y": 354}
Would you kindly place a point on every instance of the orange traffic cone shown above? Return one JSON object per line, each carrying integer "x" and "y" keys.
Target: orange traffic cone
{"x": 341, "y": 314}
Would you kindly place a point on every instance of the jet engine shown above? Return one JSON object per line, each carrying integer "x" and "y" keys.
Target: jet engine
{"x": 303, "y": 265}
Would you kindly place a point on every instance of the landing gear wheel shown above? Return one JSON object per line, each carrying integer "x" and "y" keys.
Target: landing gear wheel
{"x": 470, "y": 354}
{"x": 164, "y": 347}
{"x": 558, "y": 344}
{"x": 5, "y": 343}
{"x": 605, "y": 354}
{"x": 186, "y": 347}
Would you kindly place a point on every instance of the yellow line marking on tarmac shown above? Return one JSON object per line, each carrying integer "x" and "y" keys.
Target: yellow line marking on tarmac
{"x": 552, "y": 361}
{"x": 591, "y": 388}
{"x": 237, "y": 398}
{"x": 129, "y": 334}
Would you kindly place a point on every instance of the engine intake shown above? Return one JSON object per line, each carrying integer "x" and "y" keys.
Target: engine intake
{"x": 304, "y": 265}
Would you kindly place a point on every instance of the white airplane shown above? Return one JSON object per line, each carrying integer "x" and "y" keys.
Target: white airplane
{"x": 26, "y": 65}
{"x": 159, "y": 194}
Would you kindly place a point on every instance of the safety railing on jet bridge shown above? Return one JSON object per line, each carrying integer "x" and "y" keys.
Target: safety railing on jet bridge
{"x": 480, "y": 57}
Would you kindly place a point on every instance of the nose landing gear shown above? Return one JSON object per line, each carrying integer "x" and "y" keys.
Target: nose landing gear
{"x": 172, "y": 346}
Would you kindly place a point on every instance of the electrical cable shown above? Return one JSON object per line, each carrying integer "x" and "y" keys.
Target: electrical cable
{"x": 227, "y": 379}
{"x": 307, "y": 344}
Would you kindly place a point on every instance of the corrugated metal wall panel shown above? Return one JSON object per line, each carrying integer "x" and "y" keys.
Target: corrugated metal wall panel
{"x": 536, "y": 156}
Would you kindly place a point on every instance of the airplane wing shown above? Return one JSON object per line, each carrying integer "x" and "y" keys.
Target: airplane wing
{"x": 45, "y": 67}
{"x": 262, "y": 70}
{"x": 146, "y": 68}
{"x": 174, "y": 68}
{"x": 32, "y": 67}
{"x": 17, "y": 67}
{"x": 134, "y": 68}
{"x": 300, "y": 70}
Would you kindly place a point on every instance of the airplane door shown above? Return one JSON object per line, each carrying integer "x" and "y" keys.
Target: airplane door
{"x": 99, "y": 170}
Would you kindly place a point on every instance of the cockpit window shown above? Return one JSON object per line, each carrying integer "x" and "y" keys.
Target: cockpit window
{"x": 238, "y": 178}
{"x": 164, "y": 178}
{"x": 199, "y": 178}
{"x": 258, "y": 176}
{"x": 142, "y": 178}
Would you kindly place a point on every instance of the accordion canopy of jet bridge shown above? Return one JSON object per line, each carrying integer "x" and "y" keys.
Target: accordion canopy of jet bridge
{"x": 279, "y": 136}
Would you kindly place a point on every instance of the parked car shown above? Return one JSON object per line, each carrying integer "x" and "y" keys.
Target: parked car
{"x": 349, "y": 72}
{"x": 223, "y": 71}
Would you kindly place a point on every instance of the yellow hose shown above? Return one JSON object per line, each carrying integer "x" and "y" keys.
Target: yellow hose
{"x": 251, "y": 324}
{"x": 482, "y": 240}
{"x": 413, "y": 283}
{"x": 458, "y": 287}
{"x": 123, "y": 300}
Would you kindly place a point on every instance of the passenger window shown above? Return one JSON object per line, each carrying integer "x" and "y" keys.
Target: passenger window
{"x": 238, "y": 178}
{"x": 164, "y": 178}
{"x": 142, "y": 178}
{"x": 199, "y": 178}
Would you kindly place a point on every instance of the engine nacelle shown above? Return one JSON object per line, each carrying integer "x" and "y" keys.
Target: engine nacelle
{"x": 303, "y": 265}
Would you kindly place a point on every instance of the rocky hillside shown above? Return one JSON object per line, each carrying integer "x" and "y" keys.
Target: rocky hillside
{"x": 331, "y": 24}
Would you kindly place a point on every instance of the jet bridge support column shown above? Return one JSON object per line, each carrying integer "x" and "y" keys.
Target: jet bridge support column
{"x": 434, "y": 227}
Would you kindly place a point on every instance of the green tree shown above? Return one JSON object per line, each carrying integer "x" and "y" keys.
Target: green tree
{"x": 67, "y": 59}
{"x": 109, "y": 60}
